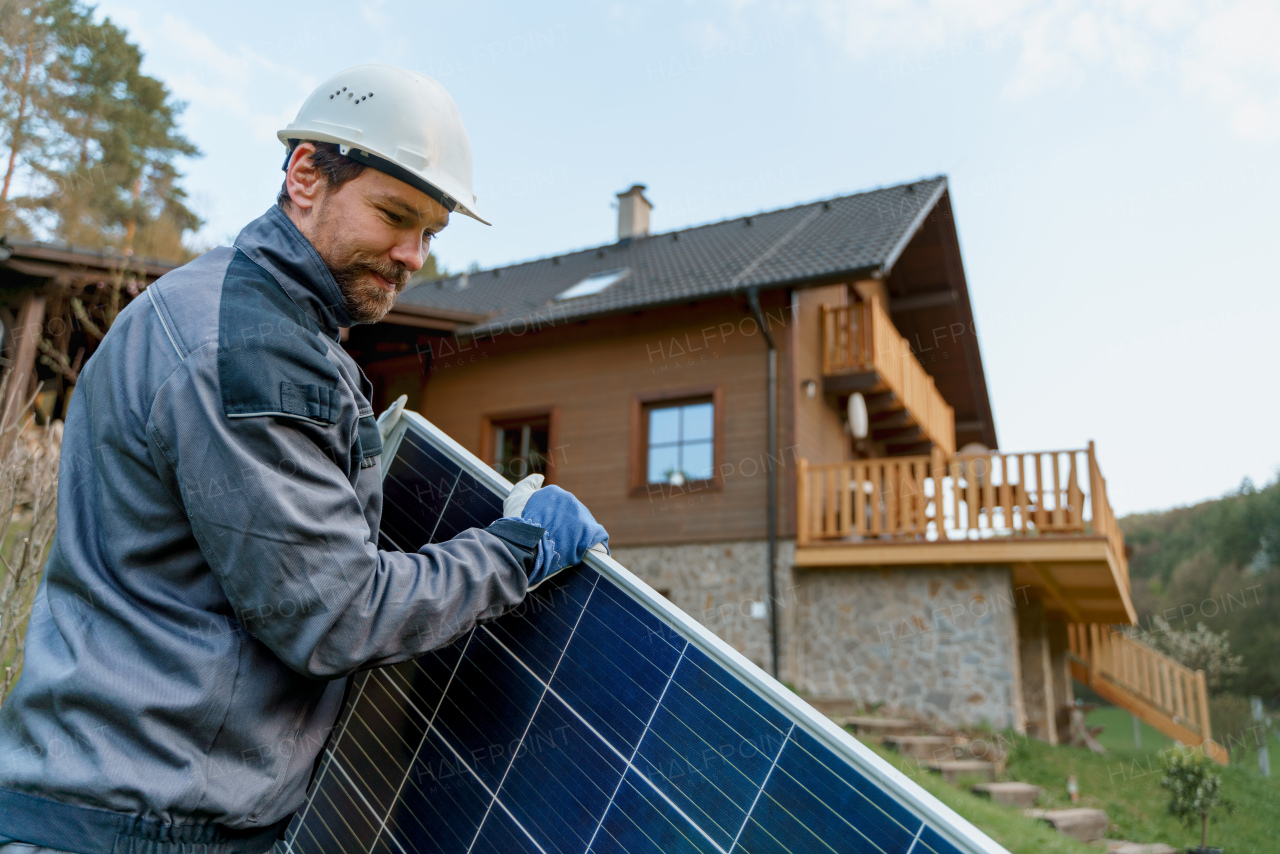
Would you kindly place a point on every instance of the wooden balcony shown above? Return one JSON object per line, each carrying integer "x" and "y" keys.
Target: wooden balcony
{"x": 862, "y": 351}
{"x": 1045, "y": 514}
{"x": 1125, "y": 671}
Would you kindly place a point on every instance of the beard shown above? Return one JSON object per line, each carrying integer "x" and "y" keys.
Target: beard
{"x": 367, "y": 301}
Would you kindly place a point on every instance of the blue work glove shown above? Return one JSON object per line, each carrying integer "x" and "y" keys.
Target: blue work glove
{"x": 569, "y": 529}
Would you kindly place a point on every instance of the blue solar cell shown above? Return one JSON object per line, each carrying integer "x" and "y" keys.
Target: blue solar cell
{"x": 470, "y": 505}
{"x": 487, "y": 708}
{"x": 442, "y": 802}
{"x": 931, "y": 843}
{"x": 422, "y": 681}
{"x": 415, "y": 492}
{"x": 840, "y": 783}
{"x": 501, "y": 835}
{"x": 640, "y": 821}
{"x": 421, "y": 456}
{"x": 536, "y": 632}
{"x": 407, "y": 527}
{"x": 338, "y": 819}
{"x": 383, "y": 734}
{"x": 560, "y": 783}
{"x": 616, "y": 667}
{"x": 709, "y": 749}
{"x": 808, "y": 797}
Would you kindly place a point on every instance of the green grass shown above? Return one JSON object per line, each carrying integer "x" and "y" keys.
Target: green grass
{"x": 1006, "y": 825}
{"x": 1125, "y": 783}
{"x": 1118, "y": 735}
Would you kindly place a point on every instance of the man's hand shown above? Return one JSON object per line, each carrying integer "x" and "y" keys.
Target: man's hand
{"x": 569, "y": 529}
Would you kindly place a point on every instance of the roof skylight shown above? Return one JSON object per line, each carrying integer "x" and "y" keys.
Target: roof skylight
{"x": 594, "y": 284}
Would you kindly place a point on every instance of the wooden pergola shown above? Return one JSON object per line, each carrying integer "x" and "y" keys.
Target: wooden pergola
{"x": 55, "y": 303}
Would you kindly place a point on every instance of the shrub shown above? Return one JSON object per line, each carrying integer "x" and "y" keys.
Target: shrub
{"x": 1195, "y": 791}
{"x": 28, "y": 516}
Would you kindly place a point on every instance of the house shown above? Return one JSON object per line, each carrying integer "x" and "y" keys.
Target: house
{"x": 802, "y": 387}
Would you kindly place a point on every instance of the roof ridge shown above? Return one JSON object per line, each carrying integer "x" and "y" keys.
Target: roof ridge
{"x": 597, "y": 247}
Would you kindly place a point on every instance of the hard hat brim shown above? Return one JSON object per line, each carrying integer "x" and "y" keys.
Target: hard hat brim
{"x": 395, "y": 170}
{"x": 382, "y": 164}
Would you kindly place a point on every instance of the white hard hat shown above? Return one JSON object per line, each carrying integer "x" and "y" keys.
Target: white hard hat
{"x": 399, "y": 122}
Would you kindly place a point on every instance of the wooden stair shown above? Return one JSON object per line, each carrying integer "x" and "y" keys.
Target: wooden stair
{"x": 1146, "y": 683}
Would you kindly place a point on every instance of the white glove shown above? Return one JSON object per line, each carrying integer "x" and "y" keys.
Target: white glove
{"x": 513, "y": 504}
{"x": 388, "y": 419}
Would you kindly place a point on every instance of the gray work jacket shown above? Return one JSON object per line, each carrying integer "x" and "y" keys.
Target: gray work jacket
{"x": 215, "y": 571}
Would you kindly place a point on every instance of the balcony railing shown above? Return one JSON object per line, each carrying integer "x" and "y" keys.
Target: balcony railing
{"x": 958, "y": 497}
{"x": 861, "y": 339}
{"x": 1166, "y": 694}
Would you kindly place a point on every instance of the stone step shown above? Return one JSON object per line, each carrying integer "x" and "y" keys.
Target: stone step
{"x": 834, "y": 707}
{"x": 928, "y": 748}
{"x": 1078, "y": 823}
{"x": 1010, "y": 794}
{"x": 1118, "y": 847}
{"x": 878, "y": 726}
{"x": 953, "y": 769}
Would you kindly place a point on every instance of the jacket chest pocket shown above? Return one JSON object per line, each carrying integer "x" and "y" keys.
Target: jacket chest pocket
{"x": 368, "y": 442}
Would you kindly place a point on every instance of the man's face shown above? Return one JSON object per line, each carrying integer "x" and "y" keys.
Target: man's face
{"x": 373, "y": 232}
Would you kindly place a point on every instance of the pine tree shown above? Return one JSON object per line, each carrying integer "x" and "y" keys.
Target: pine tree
{"x": 30, "y": 73}
{"x": 104, "y": 171}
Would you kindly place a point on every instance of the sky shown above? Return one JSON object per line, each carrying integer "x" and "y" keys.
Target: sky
{"x": 1113, "y": 166}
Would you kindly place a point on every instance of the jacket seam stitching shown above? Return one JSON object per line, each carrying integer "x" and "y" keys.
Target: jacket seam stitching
{"x": 161, "y": 312}
{"x": 280, "y": 415}
{"x": 152, "y": 428}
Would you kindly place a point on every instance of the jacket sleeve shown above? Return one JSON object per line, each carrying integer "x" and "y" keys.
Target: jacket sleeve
{"x": 281, "y": 526}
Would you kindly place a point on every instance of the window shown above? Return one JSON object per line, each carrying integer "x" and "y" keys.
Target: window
{"x": 676, "y": 441}
{"x": 593, "y": 284}
{"x": 520, "y": 446}
{"x": 681, "y": 440}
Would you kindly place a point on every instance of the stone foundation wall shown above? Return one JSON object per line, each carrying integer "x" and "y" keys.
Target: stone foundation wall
{"x": 1038, "y": 701}
{"x": 717, "y": 584}
{"x": 938, "y": 642}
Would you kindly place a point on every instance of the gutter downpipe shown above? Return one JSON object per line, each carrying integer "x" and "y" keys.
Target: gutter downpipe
{"x": 753, "y": 299}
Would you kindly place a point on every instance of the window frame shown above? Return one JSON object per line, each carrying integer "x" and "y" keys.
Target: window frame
{"x": 638, "y": 460}
{"x": 528, "y": 413}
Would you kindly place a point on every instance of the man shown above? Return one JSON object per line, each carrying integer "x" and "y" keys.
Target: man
{"x": 215, "y": 574}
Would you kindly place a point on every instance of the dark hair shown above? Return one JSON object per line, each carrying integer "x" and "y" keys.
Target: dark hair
{"x": 336, "y": 169}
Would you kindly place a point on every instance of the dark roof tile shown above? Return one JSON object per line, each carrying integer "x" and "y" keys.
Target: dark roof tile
{"x": 860, "y": 232}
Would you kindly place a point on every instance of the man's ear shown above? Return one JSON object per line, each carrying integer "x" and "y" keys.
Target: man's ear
{"x": 301, "y": 179}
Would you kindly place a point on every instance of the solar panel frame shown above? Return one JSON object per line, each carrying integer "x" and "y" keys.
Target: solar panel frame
{"x": 818, "y": 742}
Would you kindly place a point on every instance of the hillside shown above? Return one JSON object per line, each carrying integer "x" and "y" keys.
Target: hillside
{"x": 1216, "y": 563}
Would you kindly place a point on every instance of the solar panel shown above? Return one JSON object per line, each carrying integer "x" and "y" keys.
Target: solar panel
{"x": 596, "y": 717}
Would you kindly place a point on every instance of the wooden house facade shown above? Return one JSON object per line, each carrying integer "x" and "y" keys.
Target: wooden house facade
{"x": 694, "y": 389}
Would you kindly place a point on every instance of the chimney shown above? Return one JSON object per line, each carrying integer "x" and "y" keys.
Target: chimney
{"x": 633, "y": 213}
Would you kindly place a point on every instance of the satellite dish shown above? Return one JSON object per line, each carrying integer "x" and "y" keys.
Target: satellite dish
{"x": 859, "y": 423}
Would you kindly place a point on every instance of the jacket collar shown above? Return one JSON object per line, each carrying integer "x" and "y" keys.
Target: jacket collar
{"x": 274, "y": 243}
